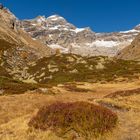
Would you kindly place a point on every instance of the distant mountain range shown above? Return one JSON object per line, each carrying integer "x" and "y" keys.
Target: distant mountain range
{"x": 57, "y": 33}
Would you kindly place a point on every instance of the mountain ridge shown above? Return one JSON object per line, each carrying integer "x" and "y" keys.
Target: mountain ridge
{"x": 57, "y": 32}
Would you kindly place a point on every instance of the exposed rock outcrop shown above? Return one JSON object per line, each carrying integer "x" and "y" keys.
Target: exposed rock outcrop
{"x": 132, "y": 52}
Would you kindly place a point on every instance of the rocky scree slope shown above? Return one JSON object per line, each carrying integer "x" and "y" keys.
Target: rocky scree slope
{"x": 132, "y": 52}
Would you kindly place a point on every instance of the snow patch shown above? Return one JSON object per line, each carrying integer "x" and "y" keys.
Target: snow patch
{"x": 77, "y": 30}
{"x": 41, "y": 19}
{"x": 34, "y": 24}
{"x": 50, "y": 35}
{"x": 66, "y": 29}
{"x": 53, "y": 28}
{"x": 74, "y": 45}
{"x": 103, "y": 43}
{"x": 55, "y": 17}
{"x": 59, "y": 27}
{"x": 56, "y": 46}
{"x": 130, "y": 40}
{"x": 130, "y": 31}
{"x": 87, "y": 44}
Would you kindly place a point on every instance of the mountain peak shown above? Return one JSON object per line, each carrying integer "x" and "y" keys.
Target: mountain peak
{"x": 40, "y": 19}
{"x": 137, "y": 27}
{"x": 55, "y": 17}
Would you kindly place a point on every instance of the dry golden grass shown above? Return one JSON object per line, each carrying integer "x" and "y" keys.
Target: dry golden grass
{"x": 128, "y": 110}
{"x": 17, "y": 110}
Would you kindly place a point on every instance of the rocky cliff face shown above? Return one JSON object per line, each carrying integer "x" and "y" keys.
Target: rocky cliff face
{"x": 7, "y": 17}
{"x": 57, "y": 33}
{"x": 132, "y": 52}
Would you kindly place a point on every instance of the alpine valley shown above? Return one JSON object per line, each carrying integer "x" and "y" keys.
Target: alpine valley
{"x": 61, "y": 82}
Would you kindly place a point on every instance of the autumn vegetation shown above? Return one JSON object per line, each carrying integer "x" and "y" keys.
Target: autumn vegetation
{"x": 82, "y": 118}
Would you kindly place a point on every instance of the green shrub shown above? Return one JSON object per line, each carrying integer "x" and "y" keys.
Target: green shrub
{"x": 86, "y": 72}
{"x": 87, "y": 120}
{"x": 11, "y": 86}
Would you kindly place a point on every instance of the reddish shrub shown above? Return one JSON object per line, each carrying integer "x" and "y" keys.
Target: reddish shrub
{"x": 84, "y": 118}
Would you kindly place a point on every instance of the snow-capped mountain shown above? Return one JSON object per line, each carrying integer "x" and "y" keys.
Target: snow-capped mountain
{"x": 57, "y": 33}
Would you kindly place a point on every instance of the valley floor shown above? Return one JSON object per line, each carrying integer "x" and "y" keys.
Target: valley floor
{"x": 17, "y": 110}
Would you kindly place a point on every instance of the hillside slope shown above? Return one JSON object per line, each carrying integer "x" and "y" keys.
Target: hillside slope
{"x": 17, "y": 48}
{"x": 132, "y": 52}
{"x": 63, "y": 68}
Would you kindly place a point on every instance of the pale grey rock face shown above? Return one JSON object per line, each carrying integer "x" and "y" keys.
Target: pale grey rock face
{"x": 57, "y": 33}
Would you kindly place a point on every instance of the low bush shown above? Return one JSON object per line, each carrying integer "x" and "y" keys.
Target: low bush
{"x": 11, "y": 86}
{"x": 86, "y": 69}
{"x": 85, "y": 119}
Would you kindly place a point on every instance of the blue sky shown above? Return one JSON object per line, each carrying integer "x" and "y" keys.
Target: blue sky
{"x": 100, "y": 15}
